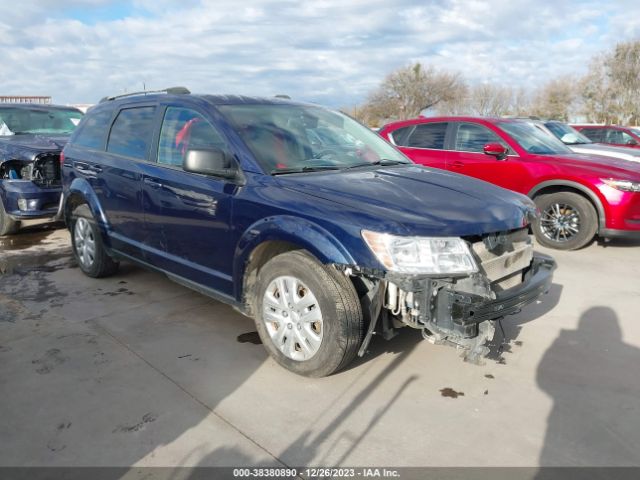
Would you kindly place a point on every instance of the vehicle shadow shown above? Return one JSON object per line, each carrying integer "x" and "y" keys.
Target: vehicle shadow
{"x": 310, "y": 446}
{"x": 120, "y": 361}
{"x": 591, "y": 376}
{"x": 618, "y": 242}
{"x": 508, "y": 329}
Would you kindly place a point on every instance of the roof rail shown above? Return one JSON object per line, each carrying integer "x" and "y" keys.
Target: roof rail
{"x": 168, "y": 91}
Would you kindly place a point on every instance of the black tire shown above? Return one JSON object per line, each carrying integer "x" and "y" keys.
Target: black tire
{"x": 342, "y": 322}
{"x": 8, "y": 226}
{"x": 102, "y": 265}
{"x": 579, "y": 213}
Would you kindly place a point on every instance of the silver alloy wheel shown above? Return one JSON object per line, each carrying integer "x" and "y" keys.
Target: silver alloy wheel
{"x": 291, "y": 314}
{"x": 85, "y": 243}
{"x": 560, "y": 222}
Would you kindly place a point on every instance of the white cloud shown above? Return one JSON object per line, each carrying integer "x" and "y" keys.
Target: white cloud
{"x": 328, "y": 51}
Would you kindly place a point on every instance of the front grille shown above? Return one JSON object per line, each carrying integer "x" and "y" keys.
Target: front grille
{"x": 503, "y": 256}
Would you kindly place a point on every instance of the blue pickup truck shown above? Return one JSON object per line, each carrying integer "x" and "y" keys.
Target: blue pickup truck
{"x": 31, "y": 139}
{"x": 322, "y": 242}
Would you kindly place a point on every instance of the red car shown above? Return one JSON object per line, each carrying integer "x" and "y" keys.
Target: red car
{"x": 611, "y": 134}
{"x": 579, "y": 196}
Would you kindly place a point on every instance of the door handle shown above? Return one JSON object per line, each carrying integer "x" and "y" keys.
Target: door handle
{"x": 84, "y": 168}
{"x": 457, "y": 164}
{"x": 152, "y": 183}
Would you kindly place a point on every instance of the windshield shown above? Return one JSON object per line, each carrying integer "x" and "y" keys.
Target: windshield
{"x": 532, "y": 139}
{"x": 635, "y": 130}
{"x": 566, "y": 134}
{"x": 17, "y": 121}
{"x": 296, "y": 138}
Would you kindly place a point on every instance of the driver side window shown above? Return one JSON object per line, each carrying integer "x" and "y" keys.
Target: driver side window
{"x": 472, "y": 138}
{"x": 182, "y": 129}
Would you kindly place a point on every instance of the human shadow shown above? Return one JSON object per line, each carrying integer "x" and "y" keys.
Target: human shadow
{"x": 592, "y": 377}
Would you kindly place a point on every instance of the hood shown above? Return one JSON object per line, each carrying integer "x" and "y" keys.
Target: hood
{"x": 416, "y": 200}
{"x": 28, "y": 146}
{"x": 607, "y": 151}
{"x": 35, "y": 141}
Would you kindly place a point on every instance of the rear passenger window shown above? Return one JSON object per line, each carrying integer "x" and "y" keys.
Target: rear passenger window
{"x": 93, "y": 129}
{"x": 183, "y": 129}
{"x": 131, "y": 132}
{"x": 595, "y": 135}
{"x": 473, "y": 138}
{"x": 427, "y": 135}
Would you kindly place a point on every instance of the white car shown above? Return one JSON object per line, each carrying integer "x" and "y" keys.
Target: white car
{"x": 579, "y": 143}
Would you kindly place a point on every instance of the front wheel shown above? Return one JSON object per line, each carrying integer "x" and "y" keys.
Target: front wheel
{"x": 568, "y": 221}
{"x": 87, "y": 244}
{"x": 8, "y": 226}
{"x": 308, "y": 315}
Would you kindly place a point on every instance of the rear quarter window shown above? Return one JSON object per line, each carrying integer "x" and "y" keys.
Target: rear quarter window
{"x": 131, "y": 132}
{"x": 93, "y": 130}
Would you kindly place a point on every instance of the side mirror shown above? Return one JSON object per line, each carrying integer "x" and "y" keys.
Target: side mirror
{"x": 495, "y": 150}
{"x": 210, "y": 161}
{"x": 632, "y": 142}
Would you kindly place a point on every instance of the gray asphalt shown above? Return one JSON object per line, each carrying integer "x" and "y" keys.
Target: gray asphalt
{"x": 136, "y": 370}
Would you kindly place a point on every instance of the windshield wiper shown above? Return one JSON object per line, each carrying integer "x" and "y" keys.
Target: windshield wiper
{"x": 308, "y": 168}
{"x": 384, "y": 162}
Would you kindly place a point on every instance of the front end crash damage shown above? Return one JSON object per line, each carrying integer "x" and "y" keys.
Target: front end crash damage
{"x": 458, "y": 311}
{"x": 43, "y": 170}
{"x": 31, "y": 188}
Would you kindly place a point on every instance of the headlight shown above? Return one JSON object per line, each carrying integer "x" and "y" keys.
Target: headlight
{"x": 623, "y": 185}
{"x": 425, "y": 255}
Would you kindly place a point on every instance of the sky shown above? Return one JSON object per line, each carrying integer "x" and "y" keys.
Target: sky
{"x": 332, "y": 52}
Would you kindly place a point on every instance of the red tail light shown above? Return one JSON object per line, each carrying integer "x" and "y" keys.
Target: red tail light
{"x": 61, "y": 159}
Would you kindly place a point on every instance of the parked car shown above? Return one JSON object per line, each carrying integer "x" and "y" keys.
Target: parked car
{"x": 579, "y": 195}
{"x": 579, "y": 143}
{"x": 321, "y": 245}
{"x": 31, "y": 139}
{"x": 611, "y": 134}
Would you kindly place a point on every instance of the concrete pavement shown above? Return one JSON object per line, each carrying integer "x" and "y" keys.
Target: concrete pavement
{"x": 136, "y": 370}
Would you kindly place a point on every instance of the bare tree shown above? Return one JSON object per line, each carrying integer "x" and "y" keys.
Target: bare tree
{"x": 491, "y": 100}
{"x": 598, "y": 98}
{"x": 623, "y": 68}
{"x": 410, "y": 90}
{"x": 555, "y": 100}
{"x": 609, "y": 90}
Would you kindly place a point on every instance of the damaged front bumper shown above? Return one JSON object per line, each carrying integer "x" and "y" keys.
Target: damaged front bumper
{"x": 458, "y": 311}
{"x": 468, "y": 309}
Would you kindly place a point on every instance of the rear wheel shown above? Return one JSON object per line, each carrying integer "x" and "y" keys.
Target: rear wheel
{"x": 88, "y": 247}
{"x": 568, "y": 221}
{"x": 8, "y": 226}
{"x": 308, "y": 315}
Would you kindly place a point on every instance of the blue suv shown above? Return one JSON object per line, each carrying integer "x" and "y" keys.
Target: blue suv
{"x": 299, "y": 217}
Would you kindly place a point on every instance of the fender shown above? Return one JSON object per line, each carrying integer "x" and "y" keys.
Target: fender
{"x": 299, "y": 231}
{"x": 79, "y": 186}
{"x": 602, "y": 218}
